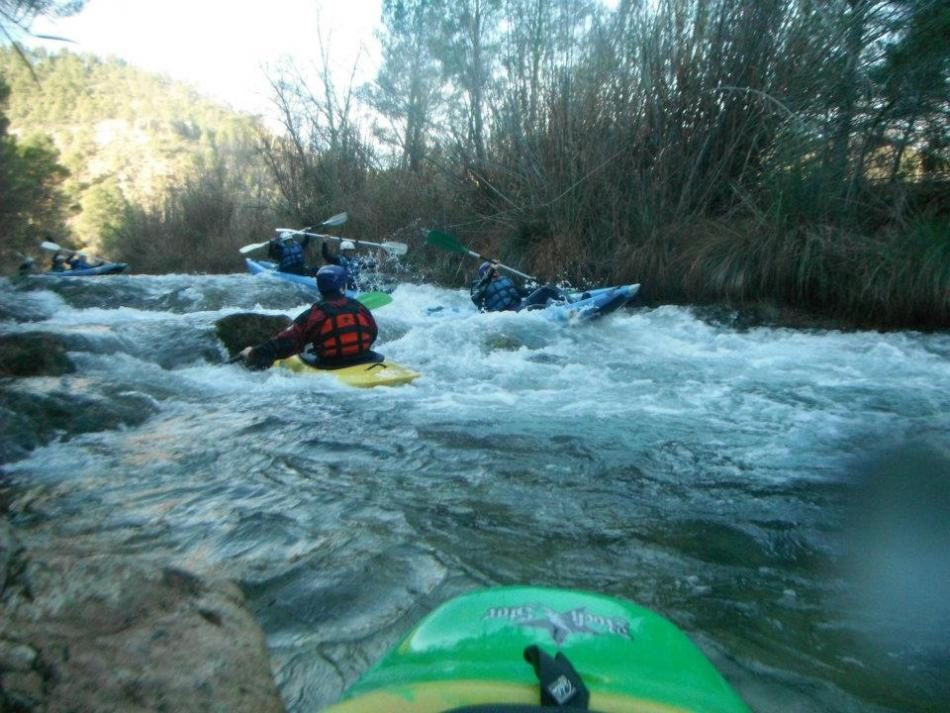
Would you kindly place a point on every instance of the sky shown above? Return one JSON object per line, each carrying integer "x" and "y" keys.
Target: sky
{"x": 224, "y": 48}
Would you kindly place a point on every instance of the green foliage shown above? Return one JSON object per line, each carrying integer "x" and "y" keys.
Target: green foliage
{"x": 197, "y": 228}
{"x": 128, "y": 138}
{"x": 713, "y": 149}
{"x": 101, "y": 210}
{"x": 32, "y": 204}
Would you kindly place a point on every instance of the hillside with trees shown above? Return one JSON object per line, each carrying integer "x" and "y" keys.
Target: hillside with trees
{"x": 136, "y": 146}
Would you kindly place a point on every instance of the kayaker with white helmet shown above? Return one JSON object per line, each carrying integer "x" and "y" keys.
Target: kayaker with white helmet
{"x": 289, "y": 254}
{"x": 346, "y": 258}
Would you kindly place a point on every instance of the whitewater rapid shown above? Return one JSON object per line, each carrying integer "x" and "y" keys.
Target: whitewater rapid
{"x": 718, "y": 474}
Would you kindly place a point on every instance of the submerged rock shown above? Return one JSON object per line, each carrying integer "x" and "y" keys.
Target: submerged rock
{"x": 34, "y": 354}
{"x": 31, "y": 420}
{"x": 247, "y": 329}
{"x": 82, "y": 631}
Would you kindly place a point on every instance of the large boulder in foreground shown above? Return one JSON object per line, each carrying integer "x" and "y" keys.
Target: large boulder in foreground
{"x": 82, "y": 632}
{"x": 247, "y": 329}
{"x": 34, "y": 354}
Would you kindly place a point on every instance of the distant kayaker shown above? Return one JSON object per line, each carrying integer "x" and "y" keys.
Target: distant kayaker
{"x": 59, "y": 263}
{"x": 77, "y": 261}
{"x": 347, "y": 258}
{"x": 494, "y": 292}
{"x": 288, "y": 253}
{"x": 337, "y": 330}
{"x": 27, "y": 267}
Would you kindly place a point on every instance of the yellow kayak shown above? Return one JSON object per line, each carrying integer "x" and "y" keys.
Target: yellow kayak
{"x": 364, "y": 376}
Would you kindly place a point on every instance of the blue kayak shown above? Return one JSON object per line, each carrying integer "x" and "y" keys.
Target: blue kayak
{"x": 269, "y": 269}
{"x": 590, "y": 304}
{"x": 106, "y": 268}
{"x": 580, "y": 306}
{"x": 265, "y": 268}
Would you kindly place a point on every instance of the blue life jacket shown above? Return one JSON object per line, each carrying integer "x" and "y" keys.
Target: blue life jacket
{"x": 292, "y": 258}
{"x": 501, "y": 295}
{"x": 352, "y": 267}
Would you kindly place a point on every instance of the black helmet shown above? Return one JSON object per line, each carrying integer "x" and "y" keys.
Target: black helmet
{"x": 331, "y": 278}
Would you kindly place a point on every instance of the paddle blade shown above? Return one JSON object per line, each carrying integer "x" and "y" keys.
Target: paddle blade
{"x": 394, "y": 248}
{"x": 445, "y": 241}
{"x": 374, "y": 300}
{"x": 47, "y": 245}
{"x": 338, "y": 219}
{"x": 251, "y": 248}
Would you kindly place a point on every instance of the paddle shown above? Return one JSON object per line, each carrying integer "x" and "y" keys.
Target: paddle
{"x": 55, "y": 247}
{"x": 374, "y": 300}
{"x": 450, "y": 243}
{"x": 332, "y": 221}
{"x": 390, "y": 246}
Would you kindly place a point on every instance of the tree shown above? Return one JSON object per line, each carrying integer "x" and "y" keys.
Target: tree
{"x": 469, "y": 46}
{"x": 32, "y": 204}
{"x": 16, "y": 16}
{"x": 407, "y": 87}
{"x": 915, "y": 78}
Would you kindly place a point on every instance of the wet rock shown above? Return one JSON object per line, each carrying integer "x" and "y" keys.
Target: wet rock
{"x": 34, "y": 354}
{"x": 247, "y": 329}
{"x": 30, "y": 420}
{"x": 15, "y": 656}
{"x": 84, "y": 631}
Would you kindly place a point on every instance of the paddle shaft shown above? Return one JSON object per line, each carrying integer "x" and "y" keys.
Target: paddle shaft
{"x": 505, "y": 267}
{"x": 451, "y": 243}
{"x": 338, "y": 219}
{"x": 392, "y": 246}
{"x": 55, "y": 247}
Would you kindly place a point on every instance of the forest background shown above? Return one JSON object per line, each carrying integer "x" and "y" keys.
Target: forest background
{"x": 787, "y": 152}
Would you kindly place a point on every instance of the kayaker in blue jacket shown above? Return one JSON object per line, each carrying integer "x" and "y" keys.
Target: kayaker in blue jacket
{"x": 288, "y": 253}
{"x": 494, "y": 292}
{"x": 78, "y": 262}
{"x": 58, "y": 263}
{"x": 349, "y": 261}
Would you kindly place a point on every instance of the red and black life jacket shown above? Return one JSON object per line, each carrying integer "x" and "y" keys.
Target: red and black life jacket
{"x": 348, "y": 331}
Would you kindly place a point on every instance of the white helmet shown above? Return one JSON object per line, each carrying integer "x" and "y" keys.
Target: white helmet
{"x": 347, "y": 245}
{"x": 286, "y": 235}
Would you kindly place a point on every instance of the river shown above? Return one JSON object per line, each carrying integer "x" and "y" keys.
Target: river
{"x": 781, "y": 495}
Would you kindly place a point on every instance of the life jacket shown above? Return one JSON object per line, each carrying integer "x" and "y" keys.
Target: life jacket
{"x": 345, "y": 333}
{"x": 292, "y": 258}
{"x": 352, "y": 267}
{"x": 501, "y": 295}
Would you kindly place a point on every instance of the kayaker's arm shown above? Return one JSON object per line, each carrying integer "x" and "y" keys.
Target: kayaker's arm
{"x": 292, "y": 340}
{"x": 477, "y": 290}
{"x": 328, "y": 257}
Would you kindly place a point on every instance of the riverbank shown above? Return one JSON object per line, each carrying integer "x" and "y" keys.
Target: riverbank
{"x": 86, "y": 630}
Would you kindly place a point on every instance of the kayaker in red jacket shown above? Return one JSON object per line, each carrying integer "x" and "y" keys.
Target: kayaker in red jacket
{"x": 337, "y": 330}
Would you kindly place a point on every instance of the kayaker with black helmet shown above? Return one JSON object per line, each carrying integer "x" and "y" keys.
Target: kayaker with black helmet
{"x": 337, "y": 330}
{"x": 288, "y": 253}
{"x": 494, "y": 292}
